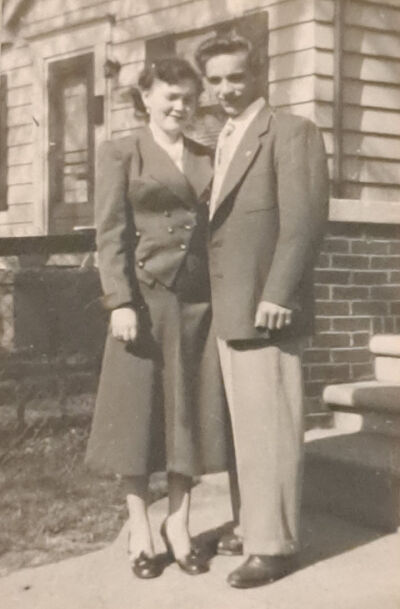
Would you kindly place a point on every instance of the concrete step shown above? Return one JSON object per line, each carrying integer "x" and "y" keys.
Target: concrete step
{"x": 387, "y": 369}
{"x": 356, "y": 476}
{"x": 384, "y": 423}
{"x": 385, "y": 344}
{"x": 364, "y": 396}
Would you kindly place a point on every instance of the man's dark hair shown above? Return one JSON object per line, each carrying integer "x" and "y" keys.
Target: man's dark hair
{"x": 224, "y": 45}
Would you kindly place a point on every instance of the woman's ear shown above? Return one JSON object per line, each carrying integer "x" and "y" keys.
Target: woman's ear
{"x": 145, "y": 94}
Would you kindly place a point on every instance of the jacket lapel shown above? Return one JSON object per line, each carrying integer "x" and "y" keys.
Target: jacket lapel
{"x": 158, "y": 164}
{"x": 245, "y": 154}
{"x": 198, "y": 170}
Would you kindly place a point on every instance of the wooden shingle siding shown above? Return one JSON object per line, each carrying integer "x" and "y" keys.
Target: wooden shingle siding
{"x": 19, "y": 96}
{"x": 370, "y": 69}
{"x": 300, "y": 63}
{"x": 123, "y": 119}
{"x": 299, "y": 90}
{"x": 18, "y": 57}
{"x": 20, "y": 115}
{"x": 20, "y": 154}
{"x": 20, "y": 174}
{"x": 21, "y": 134}
{"x": 368, "y": 42}
{"x": 375, "y": 146}
{"x": 369, "y": 171}
{"x": 371, "y": 94}
{"x": 373, "y": 15}
{"x": 3, "y": 142}
{"x": 371, "y": 121}
{"x": 46, "y": 9}
{"x": 20, "y": 76}
{"x": 63, "y": 19}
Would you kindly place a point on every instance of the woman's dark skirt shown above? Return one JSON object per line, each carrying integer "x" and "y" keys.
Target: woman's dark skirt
{"x": 160, "y": 404}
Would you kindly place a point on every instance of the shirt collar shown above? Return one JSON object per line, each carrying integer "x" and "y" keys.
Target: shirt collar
{"x": 249, "y": 113}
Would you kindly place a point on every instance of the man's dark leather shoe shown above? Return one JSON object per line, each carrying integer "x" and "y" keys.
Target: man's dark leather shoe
{"x": 230, "y": 544}
{"x": 260, "y": 569}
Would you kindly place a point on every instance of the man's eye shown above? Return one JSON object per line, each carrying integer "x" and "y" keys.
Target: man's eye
{"x": 236, "y": 78}
{"x": 214, "y": 81}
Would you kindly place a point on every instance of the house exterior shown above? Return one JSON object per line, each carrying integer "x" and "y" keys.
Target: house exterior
{"x": 67, "y": 67}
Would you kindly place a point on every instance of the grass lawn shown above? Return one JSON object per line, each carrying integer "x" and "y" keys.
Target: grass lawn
{"x": 51, "y": 507}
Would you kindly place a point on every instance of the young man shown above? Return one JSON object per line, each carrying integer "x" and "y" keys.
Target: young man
{"x": 268, "y": 208}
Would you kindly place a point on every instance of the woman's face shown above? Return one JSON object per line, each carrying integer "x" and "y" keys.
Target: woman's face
{"x": 171, "y": 107}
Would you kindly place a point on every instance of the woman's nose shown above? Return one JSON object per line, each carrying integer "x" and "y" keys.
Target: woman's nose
{"x": 179, "y": 104}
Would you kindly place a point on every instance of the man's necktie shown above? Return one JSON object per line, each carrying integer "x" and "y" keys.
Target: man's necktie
{"x": 223, "y": 143}
{"x": 221, "y": 162}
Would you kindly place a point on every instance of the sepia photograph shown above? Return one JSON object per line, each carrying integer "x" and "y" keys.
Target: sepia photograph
{"x": 200, "y": 304}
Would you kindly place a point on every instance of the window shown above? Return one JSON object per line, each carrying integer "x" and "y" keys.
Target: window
{"x": 71, "y": 143}
{"x": 3, "y": 142}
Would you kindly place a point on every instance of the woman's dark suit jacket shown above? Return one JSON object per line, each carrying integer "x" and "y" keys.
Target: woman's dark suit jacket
{"x": 146, "y": 214}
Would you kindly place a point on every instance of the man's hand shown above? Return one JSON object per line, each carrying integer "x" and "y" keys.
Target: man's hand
{"x": 124, "y": 324}
{"x": 272, "y": 316}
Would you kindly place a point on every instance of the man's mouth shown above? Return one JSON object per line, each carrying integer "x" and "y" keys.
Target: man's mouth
{"x": 230, "y": 101}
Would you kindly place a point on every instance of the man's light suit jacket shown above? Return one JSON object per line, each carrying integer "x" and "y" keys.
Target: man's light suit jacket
{"x": 266, "y": 231}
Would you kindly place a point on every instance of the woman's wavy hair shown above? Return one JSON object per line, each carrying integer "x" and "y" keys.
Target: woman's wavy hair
{"x": 171, "y": 70}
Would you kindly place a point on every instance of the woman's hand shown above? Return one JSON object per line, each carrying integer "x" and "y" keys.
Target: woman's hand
{"x": 124, "y": 324}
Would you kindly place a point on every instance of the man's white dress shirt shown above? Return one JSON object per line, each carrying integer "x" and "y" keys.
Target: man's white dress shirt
{"x": 228, "y": 142}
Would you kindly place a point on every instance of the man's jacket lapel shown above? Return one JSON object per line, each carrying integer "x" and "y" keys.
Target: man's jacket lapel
{"x": 244, "y": 155}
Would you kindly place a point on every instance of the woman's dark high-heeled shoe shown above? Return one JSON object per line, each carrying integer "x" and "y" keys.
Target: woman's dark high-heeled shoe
{"x": 193, "y": 563}
{"x": 145, "y": 566}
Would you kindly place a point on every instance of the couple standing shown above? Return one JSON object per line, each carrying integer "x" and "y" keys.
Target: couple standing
{"x": 169, "y": 245}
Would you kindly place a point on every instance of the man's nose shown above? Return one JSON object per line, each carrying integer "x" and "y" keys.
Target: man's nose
{"x": 225, "y": 87}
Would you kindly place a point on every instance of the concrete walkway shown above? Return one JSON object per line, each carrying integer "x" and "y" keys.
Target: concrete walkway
{"x": 344, "y": 567}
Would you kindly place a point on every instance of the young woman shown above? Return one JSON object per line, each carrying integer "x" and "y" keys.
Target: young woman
{"x": 160, "y": 399}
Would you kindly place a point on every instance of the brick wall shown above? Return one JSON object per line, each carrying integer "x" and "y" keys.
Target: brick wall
{"x": 358, "y": 294}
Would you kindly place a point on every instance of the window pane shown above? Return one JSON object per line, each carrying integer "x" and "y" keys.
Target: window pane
{"x": 75, "y": 140}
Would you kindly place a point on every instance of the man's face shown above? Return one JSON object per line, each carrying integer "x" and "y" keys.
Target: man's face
{"x": 232, "y": 81}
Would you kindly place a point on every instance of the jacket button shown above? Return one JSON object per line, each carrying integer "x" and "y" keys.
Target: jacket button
{"x": 141, "y": 264}
{"x": 138, "y": 233}
{"x": 167, "y": 213}
{"x": 183, "y": 246}
{"x": 188, "y": 226}
{"x": 170, "y": 229}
